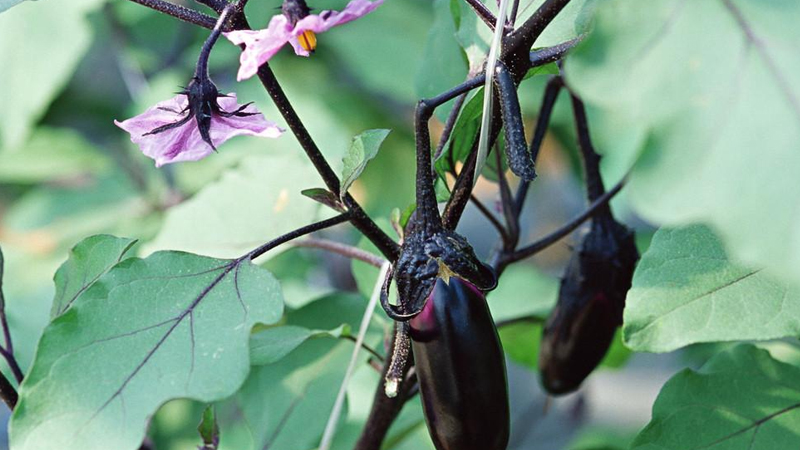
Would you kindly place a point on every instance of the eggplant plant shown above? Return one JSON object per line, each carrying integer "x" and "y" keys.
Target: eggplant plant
{"x": 245, "y": 295}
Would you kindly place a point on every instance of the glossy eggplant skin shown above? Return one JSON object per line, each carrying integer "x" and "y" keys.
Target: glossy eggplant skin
{"x": 591, "y": 299}
{"x": 461, "y": 369}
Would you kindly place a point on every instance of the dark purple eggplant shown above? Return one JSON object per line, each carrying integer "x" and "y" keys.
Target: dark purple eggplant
{"x": 461, "y": 369}
{"x": 580, "y": 329}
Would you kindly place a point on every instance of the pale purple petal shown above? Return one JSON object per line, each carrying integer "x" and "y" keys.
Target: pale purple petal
{"x": 329, "y": 19}
{"x": 260, "y": 45}
{"x": 184, "y": 143}
{"x": 298, "y": 49}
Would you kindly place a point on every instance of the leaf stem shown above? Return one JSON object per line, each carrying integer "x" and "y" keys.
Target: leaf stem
{"x": 341, "y": 249}
{"x": 302, "y": 231}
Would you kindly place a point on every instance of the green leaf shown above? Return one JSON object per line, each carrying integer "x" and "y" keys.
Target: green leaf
{"x": 87, "y": 261}
{"x": 523, "y": 291}
{"x": 285, "y": 405}
{"x": 248, "y": 206}
{"x": 685, "y": 290}
{"x": 443, "y": 62}
{"x": 208, "y": 429}
{"x": 710, "y": 92}
{"x": 271, "y": 345}
{"x": 364, "y": 147}
{"x": 741, "y": 399}
{"x": 325, "y": 197}
{"x": 40, "y": 46}
{"x": 51, "y": 154}
{"x": 172, "y": 325}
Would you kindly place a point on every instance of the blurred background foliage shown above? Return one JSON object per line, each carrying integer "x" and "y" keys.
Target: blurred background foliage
{"x": 70, "y": 67}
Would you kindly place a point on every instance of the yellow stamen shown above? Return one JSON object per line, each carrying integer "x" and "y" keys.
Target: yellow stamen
{"x": 308, "y": 40}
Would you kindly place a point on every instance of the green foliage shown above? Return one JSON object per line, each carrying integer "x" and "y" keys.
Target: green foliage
{"x": 87, "y": 262}
{"x": 37, "y": 65}
{"x": 364, "y": 147}
{"x": 51, "y": 154}
{"x": 741, "y": 399}
{"x": 268, "y": 203}
{"x": 686, "y": 290}
{"x": 182, "y": 323}
{"x": 706, "y": 96}
{"x": 300, "y": 388}
{"x": 270, "y": 345}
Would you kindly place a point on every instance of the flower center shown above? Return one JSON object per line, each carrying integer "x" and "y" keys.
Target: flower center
{"x": 308, "y": 40}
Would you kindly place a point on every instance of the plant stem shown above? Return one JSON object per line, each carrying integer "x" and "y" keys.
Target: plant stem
{"x": 591, "y": 160}
{"x": 564, "y": 230}
{"x": 384, "y": 409}
{"x": 483, "y": 13}
{"x": 359, "y": 218}
{"x": 216, "y": 5}
{"x": 180, "y": 12}
{"x": 523, "y": 38}
{"x": 490, "y": 217}
{"x": 302, "y": 231}
{"x": 341, "y": 249}
{"x": 7, "y": 351}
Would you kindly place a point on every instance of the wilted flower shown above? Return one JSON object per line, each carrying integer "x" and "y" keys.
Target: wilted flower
{"x": 167, "y": 133}
{"x": 296, "y": 26}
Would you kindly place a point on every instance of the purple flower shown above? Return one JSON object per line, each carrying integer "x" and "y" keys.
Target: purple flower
{"x": 295, "y": 26}
{"x": 167, "y": 133}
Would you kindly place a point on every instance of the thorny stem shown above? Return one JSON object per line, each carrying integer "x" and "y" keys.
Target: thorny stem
{"x": 359, "y": 218}
{"x": 341, "y": 249}
{"x": 180, "y": 12}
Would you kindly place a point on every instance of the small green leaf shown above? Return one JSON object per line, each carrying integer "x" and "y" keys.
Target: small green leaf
{"x": 173, "y": 325}
{"x": 364, "y": 147}
{"x": 325, "y": 197}
{"x": 741, "y": 399}
{"x": 685, "y": 290}
{"x": 271, "y": 345}
{"x": 87, "y": 261}
{"x": 208, "y": 429}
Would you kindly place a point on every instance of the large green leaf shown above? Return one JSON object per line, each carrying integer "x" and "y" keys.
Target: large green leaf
{"x": 88, "y": 260}
{"x": 169, "y": 326}
{"x": 685, "y": 290}
{"x": 711, "y": 92}
{"x": 741, "y": 399}
{"x": 443, "y": 62}
{"x": 363, "y": 148}
{"x": 40, "y": 46}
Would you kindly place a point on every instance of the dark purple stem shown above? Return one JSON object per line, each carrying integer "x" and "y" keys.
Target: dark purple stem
{"x": 180, "y": 12}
